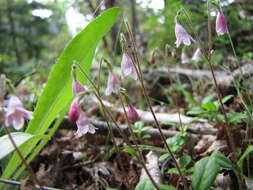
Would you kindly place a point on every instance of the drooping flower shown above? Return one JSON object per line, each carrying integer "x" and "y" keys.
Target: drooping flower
{"x": 197, "y": 55}
{"x": 221, "y": 24}
{"x": 182, "y": 36}
{"x": 184, "y": 58}
{"x": 74, "y": 111}
{"x": 132, "y": 113}
{"x": 84, "y": 126}
{"x": 77, "y": 115}
{"x": 16, "y": 113}
{"x": 127, "y": 67}
{"x": 77, "y": 87}
{"x": 112, "y": 84}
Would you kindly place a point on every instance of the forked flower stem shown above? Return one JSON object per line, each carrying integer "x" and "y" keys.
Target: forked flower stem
{"x": 140, "y": 77}
{"x": 116, "y": 124}
{"x": 230, "y": 139}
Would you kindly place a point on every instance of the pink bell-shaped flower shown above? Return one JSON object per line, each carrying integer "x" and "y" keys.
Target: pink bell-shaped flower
{"x": 184, "y": 58}
{"x": 74, "y": 111}
{"x": 84, "y": 126}
{"x": 221, "y": 24}
{"x": 197, "y": 55}
{"x": 127, "y": 67}
{"x": 16, "y": 113}
{"x": 182, "y": 36}
{"x": 112, "y": 84}
{"x": 132, "y": 114}
{"x": 77, "y": 87}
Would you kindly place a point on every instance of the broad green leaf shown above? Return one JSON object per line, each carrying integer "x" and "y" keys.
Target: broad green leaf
{"x": 205, "y": 172}
{"x": 247, "y": 151}
{"x": 222, "y": 160}
{"x": 19, "y": 139}
{"x": 57, "y": 93}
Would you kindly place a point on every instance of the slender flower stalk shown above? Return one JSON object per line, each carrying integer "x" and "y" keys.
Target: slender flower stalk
{"x": 136, "y": 58}
{"x": 107, "y": 112}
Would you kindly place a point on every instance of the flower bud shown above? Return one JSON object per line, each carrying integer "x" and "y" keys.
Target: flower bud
{"x": 132, "y": 114}
{"x": 74, "y": 111}
{"x": 174, "y": 54}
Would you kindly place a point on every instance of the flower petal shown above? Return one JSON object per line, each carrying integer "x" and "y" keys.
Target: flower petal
{"x": 17, "y": 121}
{"x": 25, "y": 113}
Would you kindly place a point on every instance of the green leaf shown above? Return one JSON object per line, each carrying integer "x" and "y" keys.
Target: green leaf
{"x": 234, "y": 117}
{"x": 196, "y": 111}
{"x": 164, "y": 156}
{"x": 166, "y": 187}
{"x": 205, "y": 172}
{"x": 19, "y": 139}
{"x": 173, "y": 171}
{"x": 208, "y": 99}
{"x": 57, "y": 93}
{"x": 184, "y": 161}
{"x": 130, "y": 151}
{"x": 222, "y": 160}
{"x": 226, "y": 98}
{"x": 247, "y": 151}
{"x": 144, "y": 184}
{"x": 210, "y": 106}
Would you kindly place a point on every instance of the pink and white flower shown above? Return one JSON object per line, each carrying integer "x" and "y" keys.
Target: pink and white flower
{"x": 77, "y": 115}
{"x": 184, "y": 58}
{"x": 16, "y": 113}
{"x": 221, "y": 24}
{"x": 182, "y": 36}
{"x": 84, "y": 126}
{"x": 197, "y": 55}
{"x": 112, "y": 84}
{"x": 127, "y": 67}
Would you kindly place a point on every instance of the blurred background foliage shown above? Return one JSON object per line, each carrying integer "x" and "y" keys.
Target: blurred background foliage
{"x": 34, "y": 32}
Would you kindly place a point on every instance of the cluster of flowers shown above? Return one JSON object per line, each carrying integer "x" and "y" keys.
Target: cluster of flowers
{"x": 183, "y": 37}
{"x": 113, "y": 84}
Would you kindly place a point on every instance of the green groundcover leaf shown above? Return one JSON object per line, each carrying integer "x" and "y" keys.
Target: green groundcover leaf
{"x": 57, "y": 93}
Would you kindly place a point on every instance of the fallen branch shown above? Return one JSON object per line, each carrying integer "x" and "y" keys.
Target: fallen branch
{"x": 223, "y": 78}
